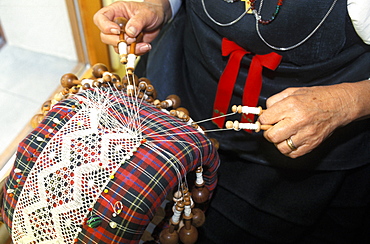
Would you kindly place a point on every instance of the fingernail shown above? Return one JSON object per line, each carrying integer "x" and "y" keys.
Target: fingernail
{"x": 115, "y": 31}
{"x": 131, "y": 31}
{"x": 145, "y": 48}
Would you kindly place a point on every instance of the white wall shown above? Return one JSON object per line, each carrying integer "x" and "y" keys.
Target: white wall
{"x": 41, "y": 26}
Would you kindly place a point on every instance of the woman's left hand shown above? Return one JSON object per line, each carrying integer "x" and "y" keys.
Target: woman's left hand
{"x": 305, "y": 117}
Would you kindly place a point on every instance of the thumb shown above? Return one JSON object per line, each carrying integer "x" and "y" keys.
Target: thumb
{"x": 103, "y": 20}
{"x": 144, "y": 20}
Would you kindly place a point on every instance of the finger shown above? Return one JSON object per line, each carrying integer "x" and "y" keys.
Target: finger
{"x": 109, "y": 39}
{"x": 136, "y": 24}
{"x": 142, "y": 48}
{"x": 144, "y": 20}
{"x": 282, "y": 110}
{"x": 103, "y": 20}
{"x": 288, "y": 145}
{"x": 280, "y": 96}
{"x": 280, "y": 131}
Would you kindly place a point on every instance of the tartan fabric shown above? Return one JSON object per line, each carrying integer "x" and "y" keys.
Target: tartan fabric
{"x": 141, "y": 183}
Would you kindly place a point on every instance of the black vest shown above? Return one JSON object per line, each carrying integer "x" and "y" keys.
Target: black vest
{"x": 190, "y": 64}
{"x": 260, "y": 190}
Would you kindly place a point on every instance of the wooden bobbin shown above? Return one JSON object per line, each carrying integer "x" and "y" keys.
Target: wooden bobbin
{"x": 116, "y": 81}
{"x": 143, "y": 83}
{"x": 115, "y": 78}
{"x": 122, "y": 44}
{"x": 247, "y": 110}
{"x": 172, "y": 101}
{"x": 169, "y": 235}
{"x": 246, "y": 126}
{"x": 182, "y": 113}
{"x": 131, "y": 57}
{"x": 200, "y": 193}
{"x": 99, "y": 70}
{"x": 130, "y": 82}
{"x": 188, "y": 233}
{"x": 69, "y": 80}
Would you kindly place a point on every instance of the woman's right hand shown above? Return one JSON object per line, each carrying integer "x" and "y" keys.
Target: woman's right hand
{"x": 147, "y": 17}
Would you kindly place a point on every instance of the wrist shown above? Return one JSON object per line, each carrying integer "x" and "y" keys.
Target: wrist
{"x": 357, "y": 98}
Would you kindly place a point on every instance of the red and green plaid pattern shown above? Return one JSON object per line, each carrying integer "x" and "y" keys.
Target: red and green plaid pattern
{"x": 141, "y": 184}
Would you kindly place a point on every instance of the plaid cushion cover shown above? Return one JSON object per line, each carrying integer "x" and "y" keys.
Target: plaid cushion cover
{"x": 141, "y": 184}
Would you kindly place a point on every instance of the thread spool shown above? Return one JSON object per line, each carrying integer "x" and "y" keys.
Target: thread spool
{"x": 169, "y": 235}
{"x": 200, "y": 192}
{"x": 122, "y": 44}
{"x": 236, "y": 125}
{"x": 188, "y": 234}
{"x": 247, "y": 110}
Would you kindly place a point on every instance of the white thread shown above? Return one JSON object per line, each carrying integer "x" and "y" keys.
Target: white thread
{"x": 131, "y": 58}
{"x": 169, "y": 102}
{"x": 248, "y": 126}
{"x": 199, "y": 180}
{"x": 122, "y": 48}
{"x": 107, "y": 73}
{"x": 176, "y": 216}
{"x": 251, "y": 110}
{"x": 90, "y": 82}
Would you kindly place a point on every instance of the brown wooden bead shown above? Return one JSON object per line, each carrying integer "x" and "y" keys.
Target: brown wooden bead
{"x": 215, "y": 143}
{"x": 36, "y": 120}
{"x": 198, "y": 217}
{"x": 116, "y": 78}
{"x": 172, "y": 101}
{"x": 150, "y": 90}
{"x": 65, "y": 91}
{"x": 200, "y": 193}
{"x": 149, "y": 99}
{"x": 176, "y": 101}
{"x": 188, "y": 233}
{"x": 98, "y": 71}
{"x": 130, "y": 79}
{"x": 73, "y": 89}
{"x": 173, "y": 113}
{"x": 169, "y": 235}
{"x": 121, "y": 22}
{"x": 69, "y": 80}
{"x": 118, "y": 85}
{"x": 184, "y": 110}
{"x": 46, "y": 106}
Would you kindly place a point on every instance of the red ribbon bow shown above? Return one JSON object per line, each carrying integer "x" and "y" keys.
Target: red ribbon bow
{"x": 253, "y": 84}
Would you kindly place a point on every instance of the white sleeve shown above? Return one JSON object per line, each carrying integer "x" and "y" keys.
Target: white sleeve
{"x": 359, "y": 11}
{"x": 175, "y": 6}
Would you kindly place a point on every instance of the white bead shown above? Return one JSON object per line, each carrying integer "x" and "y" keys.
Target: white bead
{"x": 113, "y": 225}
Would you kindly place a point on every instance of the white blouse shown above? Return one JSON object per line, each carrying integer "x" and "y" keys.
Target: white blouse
{"x": 359, "y": 11}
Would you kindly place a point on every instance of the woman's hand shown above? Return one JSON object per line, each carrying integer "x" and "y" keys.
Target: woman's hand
{"x": 307, "y": 116}
{"x": 147, "y": 17}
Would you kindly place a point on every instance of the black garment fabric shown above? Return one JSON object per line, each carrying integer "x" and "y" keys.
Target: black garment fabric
{"x": 262, "y": 195}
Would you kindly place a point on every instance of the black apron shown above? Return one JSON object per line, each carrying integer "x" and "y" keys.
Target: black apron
{"x": 261, "y": 192}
